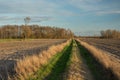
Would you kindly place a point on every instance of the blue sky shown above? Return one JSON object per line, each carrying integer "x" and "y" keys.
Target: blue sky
{"x": 84, "y": 17}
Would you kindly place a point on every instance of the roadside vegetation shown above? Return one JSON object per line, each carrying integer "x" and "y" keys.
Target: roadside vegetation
{"x": 106, "y": 66}
{"x": 55, "y": 68}
{"x": 96, "y": 68}
{"x": 31, "y": 64}
{"x": 114, "y": 34}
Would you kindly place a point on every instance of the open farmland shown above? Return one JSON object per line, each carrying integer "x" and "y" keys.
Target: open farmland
{"x": 59, "y": 39}
{"x": 19, "y": 49}
{"x": 11, "y": 52}
{"x": 55, "y": 59}
{"x": 110, "y": 45}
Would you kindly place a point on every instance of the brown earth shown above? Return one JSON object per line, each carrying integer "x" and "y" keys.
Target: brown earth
{"x": 19, "y": 49}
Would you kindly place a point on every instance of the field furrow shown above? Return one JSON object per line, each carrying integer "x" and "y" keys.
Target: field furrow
{"x": 110, "y": 45}
{"x": 19, "y": 49}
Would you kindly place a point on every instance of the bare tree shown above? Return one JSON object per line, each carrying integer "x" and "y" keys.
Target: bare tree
{"x": 35, "y": 31}
{"x": 27, "y": 20}
{"x": 110, "y": 34}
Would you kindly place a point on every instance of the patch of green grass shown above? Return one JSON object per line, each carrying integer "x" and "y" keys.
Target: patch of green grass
{"x": 98, "y": 71}
{"x": 56, "y": 66}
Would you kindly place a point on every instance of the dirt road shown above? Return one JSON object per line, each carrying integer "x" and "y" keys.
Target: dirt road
{"x": 78, "y": 69}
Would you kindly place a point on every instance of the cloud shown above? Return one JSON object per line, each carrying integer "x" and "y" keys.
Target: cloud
{"x": 21, "y": 19}
{"x": 85, "y": 5}
{"x": 40, "y": 19}
{"x": 96, "y": 6}
{"x": 26, "y": 7}
{"x": 33, "y": 7}
{"x": 10, "y": 19}
{"x": 57, "y": 8}
{"x": 108, "y": 12}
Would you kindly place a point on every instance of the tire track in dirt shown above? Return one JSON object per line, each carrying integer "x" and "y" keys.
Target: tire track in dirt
{"x": 78, "y": 69}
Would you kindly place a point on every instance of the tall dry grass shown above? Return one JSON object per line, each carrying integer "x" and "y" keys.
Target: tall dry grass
{"x": 31, "y": 64}
{"x": 108, "y": 61}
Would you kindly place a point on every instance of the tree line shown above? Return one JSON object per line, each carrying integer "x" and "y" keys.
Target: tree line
{"x": 110, "y": 34}
{"x": 33, "y": 31}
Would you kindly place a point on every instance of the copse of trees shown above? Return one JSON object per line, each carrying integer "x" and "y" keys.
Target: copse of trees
{"x": 110, "y": 34}
{"x": 33, "y": 31}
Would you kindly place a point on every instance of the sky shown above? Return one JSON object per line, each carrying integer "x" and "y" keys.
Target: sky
{"x": 83, "y": 17}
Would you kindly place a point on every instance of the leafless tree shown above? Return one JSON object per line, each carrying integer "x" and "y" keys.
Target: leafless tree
{"x": 110, "y": 34}
{"x": 34, "y": 31}
{"x": 27, "y": 20}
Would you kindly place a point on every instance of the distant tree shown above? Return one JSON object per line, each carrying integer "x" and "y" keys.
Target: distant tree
{"x": 1, "y": 33}
{"x": 34, "y": 31}
{"x": 110, "y": 34}
{"x": 26, "y": 32}
{"x": 27, "y": 20}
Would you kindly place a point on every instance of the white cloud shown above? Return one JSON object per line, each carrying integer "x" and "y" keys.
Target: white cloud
{"x": 33, "y": 7}
{"x": 27, "y": 6}
{"x": 21, "y": 19}
{"x": 86, "y": 5}
{"x": 108, "y": 12}
{"x": 53, "y": 8}
{"x": 96, "y": 6}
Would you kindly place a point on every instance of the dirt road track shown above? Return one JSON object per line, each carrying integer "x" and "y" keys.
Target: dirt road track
{"x": 78, "y": 69}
